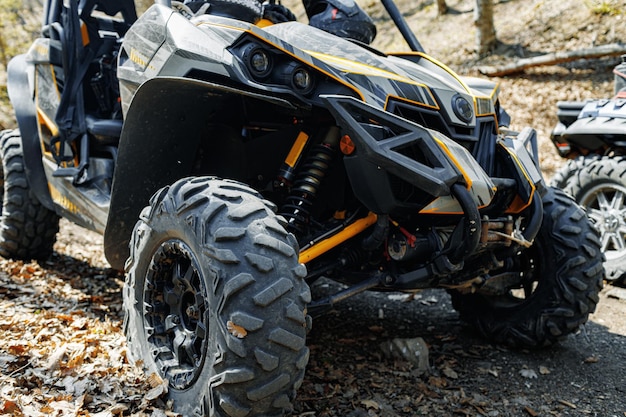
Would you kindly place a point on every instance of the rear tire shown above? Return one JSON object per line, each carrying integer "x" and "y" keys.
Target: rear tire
{"x": 600, "y": 187}
{"x": 569, "y": 170}
{"x": 27, "y": 228}
{"x": 215, "y": 300}
{"x": 560, "y": 277}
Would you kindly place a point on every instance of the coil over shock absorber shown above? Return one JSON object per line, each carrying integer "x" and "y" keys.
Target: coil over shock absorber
{"x": 297, "y": 207}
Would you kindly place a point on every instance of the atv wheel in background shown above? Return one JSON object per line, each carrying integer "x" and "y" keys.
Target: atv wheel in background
{"x": 600, "y": 187}
{"x": 570, "y": 169}
{"x": 27, "y": 229}
{"x": 215, "y": 300}
{"x": 559, "y": 278}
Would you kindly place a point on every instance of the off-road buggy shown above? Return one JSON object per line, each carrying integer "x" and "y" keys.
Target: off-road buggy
{"x": 229, "y": 165}
{"x": 591, "y": 135}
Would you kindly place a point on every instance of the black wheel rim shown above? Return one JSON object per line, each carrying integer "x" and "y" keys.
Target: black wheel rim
{"x": 175, "y": 308}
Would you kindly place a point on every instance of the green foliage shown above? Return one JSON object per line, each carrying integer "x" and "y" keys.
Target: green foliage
{"x": 9, "y": 5}
{"x": 20, "y": 23}
{"x": 18, "y": 27}
{"x": 606, "y": 7}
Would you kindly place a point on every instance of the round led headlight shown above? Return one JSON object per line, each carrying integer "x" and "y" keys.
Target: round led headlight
{"x": 302, "y": 80}
{"x": 258, "y": 61}
{"x": 462, "y": 108}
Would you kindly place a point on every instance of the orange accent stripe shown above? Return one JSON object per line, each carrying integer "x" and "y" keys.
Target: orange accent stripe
{"x": 453, "y": 159}
{"x": 84, "y": 34}
{"x": 43, "y": 118}
{"x": 325, "y": 245}
{"x": 296, "y": 149}
{"x": 518, "y": 204}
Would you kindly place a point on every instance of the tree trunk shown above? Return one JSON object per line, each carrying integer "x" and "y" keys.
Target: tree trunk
{"x": 612, "y": 49}
{"x": 485, "y": 30}
{"x": 442, "y": 7}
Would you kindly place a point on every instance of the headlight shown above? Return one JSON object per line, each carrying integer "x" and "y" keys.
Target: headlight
{"x": 302, "y": 80}
{"x": 462, "y": 108}
{"x": 299, "y": 78}
{"x": 258, "y": 61}
{"x": 266, "y": 66}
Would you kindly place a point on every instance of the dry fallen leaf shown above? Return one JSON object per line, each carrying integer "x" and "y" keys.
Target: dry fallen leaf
{"x": 9, "y": 407}
{"x": 156, "y": 392}
{"x": 54, "y": 360}
{"x": 450, "y": 373}
{"x": 154, "y": 380}
{"x": 370, "y": 404}
{"x": 530, "y": 411}
{"x": 236, "y": 330}
{"x": 438, "y": 382}
{"x": 67, "y": 357}
{"x": 18, "y": 349}
{"x": 567, "y": 403}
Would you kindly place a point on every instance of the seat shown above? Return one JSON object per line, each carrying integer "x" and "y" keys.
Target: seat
{"x": 86, "y": 39}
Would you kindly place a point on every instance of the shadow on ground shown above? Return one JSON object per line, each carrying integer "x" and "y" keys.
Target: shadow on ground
{"x": 348, "y": 374}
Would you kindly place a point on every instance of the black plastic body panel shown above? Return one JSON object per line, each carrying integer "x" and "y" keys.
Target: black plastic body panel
{"x": 568, "y": 111}
{"x": 19, "y": 93}
{"x": 159, "y": 145}
{"x": 378, "y": 158}
{"x": 595, "y": 132}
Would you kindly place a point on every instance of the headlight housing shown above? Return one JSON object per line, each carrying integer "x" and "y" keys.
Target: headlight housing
{"x": 462, "y": 108}
{"x": 258, "y": 61}
{"x": 274, "y": 68}
{"x": 301, "y": 78}
{"x": 269, "y": 67}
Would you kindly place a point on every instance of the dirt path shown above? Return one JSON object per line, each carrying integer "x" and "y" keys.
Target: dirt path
{"x": 349, "y": 375}
{"x": 62, "y": 352}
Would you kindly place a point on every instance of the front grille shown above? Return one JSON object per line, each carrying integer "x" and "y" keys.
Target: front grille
{"x": 480, "y": 140}
{"x": 432, "y": 119}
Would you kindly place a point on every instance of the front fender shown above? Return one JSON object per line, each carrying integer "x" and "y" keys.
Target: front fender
{"x": 21, "y": 96}
{"x": 167, "y": 119}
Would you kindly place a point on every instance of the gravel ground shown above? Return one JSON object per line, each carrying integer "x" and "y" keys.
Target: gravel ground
{"x": 62, "y": 351}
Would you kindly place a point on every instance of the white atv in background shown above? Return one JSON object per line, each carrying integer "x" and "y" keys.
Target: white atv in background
{"x": 592, "y": 136}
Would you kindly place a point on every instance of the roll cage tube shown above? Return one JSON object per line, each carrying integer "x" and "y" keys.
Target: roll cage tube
{"x": 402, "y": 26}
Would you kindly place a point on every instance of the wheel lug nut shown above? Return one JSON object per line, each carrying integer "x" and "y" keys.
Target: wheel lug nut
{"x": 192, "y": 311}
